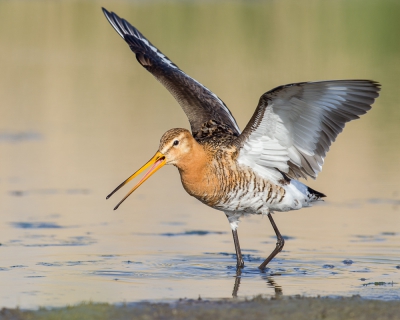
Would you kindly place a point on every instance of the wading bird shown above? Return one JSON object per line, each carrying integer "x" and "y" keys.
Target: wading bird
{"x": 253, "y": 171}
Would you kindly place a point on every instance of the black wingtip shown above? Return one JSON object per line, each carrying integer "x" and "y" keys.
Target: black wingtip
{"x": 105, "y": 11}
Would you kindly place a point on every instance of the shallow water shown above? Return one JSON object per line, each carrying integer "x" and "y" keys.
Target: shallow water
{"x": 79, "y": 115}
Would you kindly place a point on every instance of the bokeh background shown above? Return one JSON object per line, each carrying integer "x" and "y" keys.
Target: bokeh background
{"x": 78, "y": 115}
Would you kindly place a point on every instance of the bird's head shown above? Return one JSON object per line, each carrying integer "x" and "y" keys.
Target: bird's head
{"x": 176, "y": 146}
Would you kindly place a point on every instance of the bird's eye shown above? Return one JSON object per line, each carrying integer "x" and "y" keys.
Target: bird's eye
{"x": 176, "y": 142}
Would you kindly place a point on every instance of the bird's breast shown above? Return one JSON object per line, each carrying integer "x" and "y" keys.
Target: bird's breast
{"x": 202, "y": 183}
{"x": 225, "y": 185}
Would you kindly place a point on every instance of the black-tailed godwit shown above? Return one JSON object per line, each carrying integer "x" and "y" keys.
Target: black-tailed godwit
{"x": 253, "y": 171}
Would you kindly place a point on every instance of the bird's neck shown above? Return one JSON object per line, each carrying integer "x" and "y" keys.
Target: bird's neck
{"x": 195, "y": 171}
{"x": 193, "y": 162}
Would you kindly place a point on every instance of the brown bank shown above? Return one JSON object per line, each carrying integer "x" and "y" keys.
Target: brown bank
{"x": 258, "y": 308}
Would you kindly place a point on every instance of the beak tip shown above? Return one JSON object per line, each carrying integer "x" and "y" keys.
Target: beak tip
{"x": 156, "y": 163}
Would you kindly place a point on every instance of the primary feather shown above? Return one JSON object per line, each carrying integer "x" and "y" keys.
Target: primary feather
{"x": 198, "y": 102}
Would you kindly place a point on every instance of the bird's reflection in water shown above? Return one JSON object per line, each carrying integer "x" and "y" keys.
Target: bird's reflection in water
{"x": 271, "y": 283}
{"x": 268, "y": 277}
{"x": 236, "y": 286}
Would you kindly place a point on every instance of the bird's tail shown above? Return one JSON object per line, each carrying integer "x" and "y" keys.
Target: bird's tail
{"x": 314, "y": 195}
{"x": 309, "y": 194}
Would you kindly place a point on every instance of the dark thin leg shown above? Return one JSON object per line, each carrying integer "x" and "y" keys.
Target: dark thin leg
{"x": 279, "y": 244}
{"x": 240, "y": 262}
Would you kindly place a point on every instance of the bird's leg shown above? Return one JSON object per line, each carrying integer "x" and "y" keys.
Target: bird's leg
{"x": 279, "y": 244}
{"x": 240, "y": 262}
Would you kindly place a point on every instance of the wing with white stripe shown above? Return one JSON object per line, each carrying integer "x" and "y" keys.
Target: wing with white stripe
{"x": 199, "y": 103}
{"x": 294, "y": 125}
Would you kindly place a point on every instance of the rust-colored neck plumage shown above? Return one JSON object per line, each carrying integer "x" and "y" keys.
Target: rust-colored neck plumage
{"x": 203, "y": 165}
{"x": 196, "y": 170}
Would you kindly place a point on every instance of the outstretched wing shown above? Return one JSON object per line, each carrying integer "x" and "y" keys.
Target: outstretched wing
{"x": 294, "y": 125}
{"x": 198, "y": 102}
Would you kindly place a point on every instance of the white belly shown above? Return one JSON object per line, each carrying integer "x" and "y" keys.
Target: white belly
{"x": 263, "y": 197}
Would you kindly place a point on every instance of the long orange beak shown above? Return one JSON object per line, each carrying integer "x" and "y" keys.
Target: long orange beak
{"x": 156, "y": 163}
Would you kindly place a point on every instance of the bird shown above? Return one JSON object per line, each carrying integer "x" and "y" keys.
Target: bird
{"x": 257, "y": 170}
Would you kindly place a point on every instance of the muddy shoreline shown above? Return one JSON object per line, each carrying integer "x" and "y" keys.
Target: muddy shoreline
{"x": 257, "y": 308}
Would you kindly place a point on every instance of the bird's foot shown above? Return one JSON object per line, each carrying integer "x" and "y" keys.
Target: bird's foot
{"x": 240, "y": 264}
